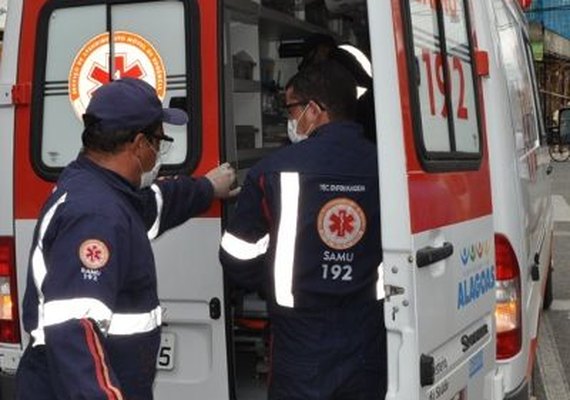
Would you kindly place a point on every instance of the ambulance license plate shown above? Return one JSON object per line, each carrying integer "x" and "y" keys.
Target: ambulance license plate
{"x": 165, "y": 359}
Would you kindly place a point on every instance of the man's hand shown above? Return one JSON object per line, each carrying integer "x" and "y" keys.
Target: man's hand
{"x": 222, "y": 178}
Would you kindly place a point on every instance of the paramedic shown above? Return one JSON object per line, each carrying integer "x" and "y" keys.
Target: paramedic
{"x": 307, "y": 226}
{"x": 91, "y": 303}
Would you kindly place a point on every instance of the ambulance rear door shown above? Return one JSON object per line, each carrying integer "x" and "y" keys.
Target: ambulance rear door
{"x": 68, "y": 50}
{"x": 437, "y": 226}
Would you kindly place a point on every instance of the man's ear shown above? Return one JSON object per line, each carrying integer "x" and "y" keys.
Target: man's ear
{"x": 139, "y": 140}
{"x": 136, "y": 145}
{"x": 314, "y": 109}
{"x": 317, "y": 111}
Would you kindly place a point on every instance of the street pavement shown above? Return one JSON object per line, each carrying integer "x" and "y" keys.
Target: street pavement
{"x": 552, "y": 371}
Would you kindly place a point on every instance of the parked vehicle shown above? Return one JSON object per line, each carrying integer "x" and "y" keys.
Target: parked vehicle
{"x": 465, "y": 193}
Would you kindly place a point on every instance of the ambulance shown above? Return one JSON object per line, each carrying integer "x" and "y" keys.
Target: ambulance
{"x": 465, "y": 193}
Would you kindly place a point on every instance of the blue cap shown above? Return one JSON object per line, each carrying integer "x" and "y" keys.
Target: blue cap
{"x": 130, "y": 104}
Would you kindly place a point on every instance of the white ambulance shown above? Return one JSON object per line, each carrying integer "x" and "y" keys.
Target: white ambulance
{"x": 465, "y": 194}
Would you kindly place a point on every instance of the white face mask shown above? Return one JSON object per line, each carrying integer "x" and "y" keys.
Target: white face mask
{"x": 147, "y": 178}
{"x": 294, "y": 136}
{"x": 292, "y": 129}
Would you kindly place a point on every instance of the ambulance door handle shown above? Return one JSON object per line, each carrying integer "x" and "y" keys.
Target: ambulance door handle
{"x": 430, "y": 255}
{"x": 215, "y": 308}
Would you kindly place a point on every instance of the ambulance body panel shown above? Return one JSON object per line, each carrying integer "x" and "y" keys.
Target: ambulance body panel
{"x": 457, "y": 170}
{"x": 519, "y": 174}
{"x": 192, "y": 357}
{"x": 440, "y": 338}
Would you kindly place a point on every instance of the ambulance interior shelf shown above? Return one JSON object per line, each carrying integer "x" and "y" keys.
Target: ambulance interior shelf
{"x": 275, "y": 24}
{"x": 259, "y": 69}
{"x": 263, "y": 48}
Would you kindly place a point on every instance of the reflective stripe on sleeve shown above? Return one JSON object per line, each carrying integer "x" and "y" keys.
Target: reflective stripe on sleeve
{"x": 155, "y": 228}
{"x": 286, "y": 238}
{"x": 38, "y": 264}
{"x": 243, "y": 250}
{"x": 59, "y": 311}
{"x": 128, "y": 324}
{"x": 380, "y": 292}
{"x": 39, "y": 269}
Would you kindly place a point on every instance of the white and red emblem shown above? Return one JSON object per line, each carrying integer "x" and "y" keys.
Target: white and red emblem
{"x": 94, "y": 254}
{"x": 341, "y": 223}
{"x": 133, "y": 56}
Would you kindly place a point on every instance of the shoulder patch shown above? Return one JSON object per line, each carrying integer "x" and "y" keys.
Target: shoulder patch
{"x": 94, "y": 253}
{"x": 341, "y": 223}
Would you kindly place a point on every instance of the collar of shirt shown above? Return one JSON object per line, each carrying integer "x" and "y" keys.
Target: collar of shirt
{"x": 338, "y": 128}
{"x": 111, "y": 178}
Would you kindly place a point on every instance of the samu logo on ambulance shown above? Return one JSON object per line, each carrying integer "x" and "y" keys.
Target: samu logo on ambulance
{"x": 133, "y": 57}
{"x": 474, "y": 252}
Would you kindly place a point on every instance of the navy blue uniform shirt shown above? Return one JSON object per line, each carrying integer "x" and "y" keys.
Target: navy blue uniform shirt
{"x": 91, "y": 302}
{"x": 306, "y": 230}
{"x": 309, "y": 214}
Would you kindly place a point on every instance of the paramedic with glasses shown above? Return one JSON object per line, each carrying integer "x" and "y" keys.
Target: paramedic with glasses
{"x": 306, "y": 231}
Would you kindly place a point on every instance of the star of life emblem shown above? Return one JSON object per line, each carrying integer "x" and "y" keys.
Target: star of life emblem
{"x": 133, "y": 56}
{"x": 94, "y": 255}
{"x": 341, "y": 223}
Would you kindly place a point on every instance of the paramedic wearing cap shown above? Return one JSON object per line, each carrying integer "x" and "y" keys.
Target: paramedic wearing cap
{"x": 91, "y": 304}
{"x": 308, "y": 221}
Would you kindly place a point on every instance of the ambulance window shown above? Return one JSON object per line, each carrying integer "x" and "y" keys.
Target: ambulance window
{"x": 444, "y": 88}
{"x": 520, "y": 84}
{"x": 541, "y": 131}
{"x": 75, "y": 58}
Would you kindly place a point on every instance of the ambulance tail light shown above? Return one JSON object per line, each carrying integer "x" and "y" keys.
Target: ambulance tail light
{"x": 525, "y": 4}
{"x": 508, "y": 294}
{"x": 9, "y": 321}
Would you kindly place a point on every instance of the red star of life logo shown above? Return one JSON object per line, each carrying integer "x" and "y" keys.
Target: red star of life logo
{"x": 100, "y": 73}
{"x": 93, "y": 253}
{"x": 133, "y": 56}
{"x": 341, "y": 223}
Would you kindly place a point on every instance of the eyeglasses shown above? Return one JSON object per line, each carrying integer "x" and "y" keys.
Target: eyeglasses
{"x": 164, "y": 145}
{"x": 295, "y": 104}
{"x": 288, "y": 106}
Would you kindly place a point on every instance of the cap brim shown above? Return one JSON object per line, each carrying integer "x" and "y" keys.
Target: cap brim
{"x": 174, "y": 116}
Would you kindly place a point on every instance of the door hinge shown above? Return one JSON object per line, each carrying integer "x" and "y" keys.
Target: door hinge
{"x": 390, "y": 290}
{"x": 22, "y": 94}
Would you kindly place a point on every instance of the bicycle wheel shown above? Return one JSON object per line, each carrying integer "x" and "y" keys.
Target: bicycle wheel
{"x": 559, "y": 152}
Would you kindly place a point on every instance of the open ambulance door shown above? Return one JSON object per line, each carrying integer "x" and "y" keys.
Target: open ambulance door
{"x": 70, "y": 48}
{"x": 437, "y": 227}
